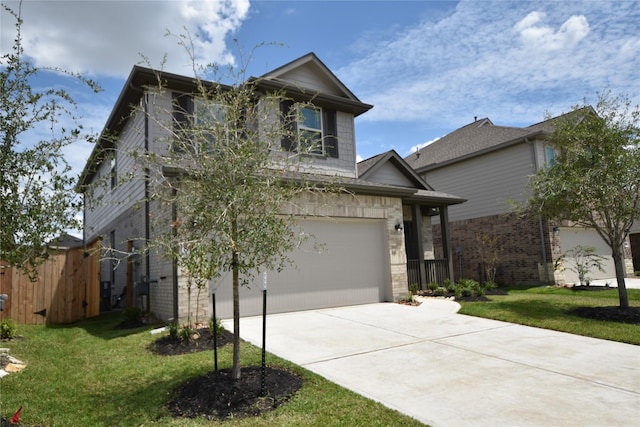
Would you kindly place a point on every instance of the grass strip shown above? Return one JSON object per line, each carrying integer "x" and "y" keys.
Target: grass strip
{"x": 548, "y": 307}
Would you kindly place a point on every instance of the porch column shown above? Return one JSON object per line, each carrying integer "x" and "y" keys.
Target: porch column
{"x": 417, "y": 228}
{"x": 446, "y": 238}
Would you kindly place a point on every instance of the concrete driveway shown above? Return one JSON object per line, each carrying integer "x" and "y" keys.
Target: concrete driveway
{"x": 447, "y": 369}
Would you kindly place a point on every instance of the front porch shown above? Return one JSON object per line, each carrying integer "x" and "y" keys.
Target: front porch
{"x": 422, "y": 265}
{"x": 423, "y": 272}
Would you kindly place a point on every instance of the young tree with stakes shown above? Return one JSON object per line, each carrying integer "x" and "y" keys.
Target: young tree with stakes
{"x": 229, "y": 182}
{"x": 595, "y": 176}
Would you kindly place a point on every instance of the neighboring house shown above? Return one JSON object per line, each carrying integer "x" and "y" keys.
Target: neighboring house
{"x": 490, "y": 166}
{"x": 364, "y": 256}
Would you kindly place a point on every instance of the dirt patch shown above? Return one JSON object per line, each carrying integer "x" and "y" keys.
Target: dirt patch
{"x": 171, "y": 346}
{"x": 612, "y": 314}
{"x": 216, "y": 395}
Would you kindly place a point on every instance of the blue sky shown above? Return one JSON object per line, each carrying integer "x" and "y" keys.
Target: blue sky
{"x": 428, "y": 67}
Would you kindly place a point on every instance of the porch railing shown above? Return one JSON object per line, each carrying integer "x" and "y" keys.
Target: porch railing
{"x": 435, "y": 271}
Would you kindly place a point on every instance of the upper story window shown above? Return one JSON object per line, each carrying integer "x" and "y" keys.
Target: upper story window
{"x": 113, "y": 170}
{"x": 310, "y": 130}
{"x": 549, "y": 156}
{"x": 314, "y": 129}
{"x": 197, "y": 123}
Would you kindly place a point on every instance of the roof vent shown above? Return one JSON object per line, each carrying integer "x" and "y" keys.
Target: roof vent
{"x": 475, "y": 118}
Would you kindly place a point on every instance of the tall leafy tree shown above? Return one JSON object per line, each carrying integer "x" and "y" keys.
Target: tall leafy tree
{"x": 37, "y": 197}
{"x": 594, "y": 181}
{"x": 231, "y": 186}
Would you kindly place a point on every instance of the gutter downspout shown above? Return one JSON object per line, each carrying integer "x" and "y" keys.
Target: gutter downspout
{"x": 545, "y": 262}
{"x": 147, "y": 226}
{"x": 174, "y": 276}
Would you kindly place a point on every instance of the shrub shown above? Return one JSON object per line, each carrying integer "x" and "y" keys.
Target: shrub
{"x": 8, "y": 329}
{"x": 413, "y": 288}
{"x": 215, "y": 326}
{"x": 468, "y": 288}
{"x": 185, "y": 333}
{"x": 489, "y": 285}
{"x": 132, "y": 313}
{"x": 440, "y": 291}
{"x": 432, "y": 286}
{"x": 174, "y": 328}
{"x": 449, "y": 285}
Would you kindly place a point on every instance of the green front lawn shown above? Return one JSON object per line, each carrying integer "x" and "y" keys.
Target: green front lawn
{"x": 547, "y": 307}
{"x": 91, "y": 374}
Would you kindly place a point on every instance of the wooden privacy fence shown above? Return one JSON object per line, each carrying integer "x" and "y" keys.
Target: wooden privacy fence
{"x": 67, "y": 289}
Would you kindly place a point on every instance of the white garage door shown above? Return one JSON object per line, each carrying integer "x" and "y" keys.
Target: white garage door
{"x": 347, "y": 265}
{"x": 572, "y": 237}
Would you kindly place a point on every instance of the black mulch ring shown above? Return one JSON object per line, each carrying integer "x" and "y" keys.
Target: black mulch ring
{"x": 590, "y": 288}
{"x": 217, "y": 396}
{"x": 171, "y": 346}
{"x": 473, "y": 298}
{"x": 613, "y": 314}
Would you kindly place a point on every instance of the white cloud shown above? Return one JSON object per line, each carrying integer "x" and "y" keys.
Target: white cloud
{"x": 568, "y": 35}
{"x": 510, "y": 61}
{"x": 424, "y": 144}
{"x": 79, "y": 35}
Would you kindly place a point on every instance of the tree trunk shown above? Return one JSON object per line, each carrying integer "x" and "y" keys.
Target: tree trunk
{"x": 235, "y": 374}
{"x": 235, "y": 371}
{"x": 622, "y": 287}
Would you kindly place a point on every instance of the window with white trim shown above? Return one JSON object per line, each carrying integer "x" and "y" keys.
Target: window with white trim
{"x": 313, "y": 129}
{"x": 310, "y": 130}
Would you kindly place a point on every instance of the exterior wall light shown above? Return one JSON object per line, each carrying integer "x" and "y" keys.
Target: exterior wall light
{"x": 398, "y": 227}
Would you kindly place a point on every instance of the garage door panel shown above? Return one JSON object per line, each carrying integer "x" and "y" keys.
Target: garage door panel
{"x": 349, "y": 266}
{"x": 572, "y": 237}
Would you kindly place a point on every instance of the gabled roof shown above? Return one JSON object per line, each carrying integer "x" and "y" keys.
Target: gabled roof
{"x": 368, "y": 168}
{"x": 480, "y": 137}
{"x": 309, "y": 79}
{"x": 421, "y": 192}
{"x": 473, "y": 139}
{"x": 66, "y": 240}
{"x": 289, "y": 73}
{"x": 548, "y": 124}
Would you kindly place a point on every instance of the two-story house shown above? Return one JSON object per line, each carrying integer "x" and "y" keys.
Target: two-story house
{"x": 364, "y": 256}
{"x": 490, "y": 166}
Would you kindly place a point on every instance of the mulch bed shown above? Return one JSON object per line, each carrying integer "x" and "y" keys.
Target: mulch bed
{"x": 612, "y": 314}
{"x": 170, "y": 346}
{"x": 218, "y": 396}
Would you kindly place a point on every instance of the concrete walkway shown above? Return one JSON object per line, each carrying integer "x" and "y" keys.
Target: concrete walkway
{"x": 447, "y": 369}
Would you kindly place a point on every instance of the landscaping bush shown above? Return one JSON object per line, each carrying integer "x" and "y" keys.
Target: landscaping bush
{"x": 215, "y": 326}
{"x": 132, "y": 313}
{"x": 440, "y": 291}
{"x": 8, "y": 329}
{"x": 449, "y": 285}
{"x": 468, "y": 288}
{"x": 432, "y": 286}
{"x": 174, "y": 328}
